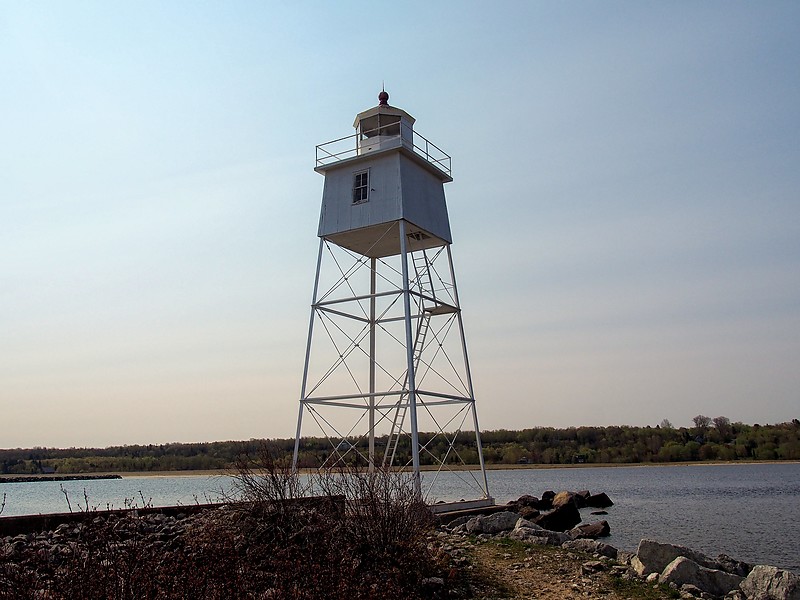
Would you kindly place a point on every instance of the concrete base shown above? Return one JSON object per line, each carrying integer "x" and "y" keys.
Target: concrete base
{"x": 446, "y": 507}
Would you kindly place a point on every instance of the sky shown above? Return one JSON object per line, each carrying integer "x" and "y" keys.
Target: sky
{"x": 625, "y": 206}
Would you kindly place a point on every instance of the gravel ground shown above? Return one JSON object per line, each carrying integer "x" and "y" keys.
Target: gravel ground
{"x": 504, "y": 569}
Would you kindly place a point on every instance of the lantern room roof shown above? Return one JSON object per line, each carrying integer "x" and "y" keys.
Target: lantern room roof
{"x": 383, "y": 109}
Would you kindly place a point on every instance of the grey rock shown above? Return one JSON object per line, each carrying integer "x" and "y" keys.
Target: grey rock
{"x": 555, "y": 538}
{"x": 592, "y": 547}
{"x": 591, "y": 567}
{"x": 590, "y": 531}
{"x": 731, "y": 565}
{"x": 525, "y": 535}
{"x": 459, "y": 521}
{"x": 538, "y": 541}
{"x": 538, "y": 536}
{"x": 640, "y": 568}
{"x": 494, "y": 523}
{"x": 433, "y": 582}
{"x": 655, "y": 556}
{"x": 771, "y": 583}
{"x": 683, "y": 571}
{"x": 693, "y": 590}
{"x": 523, "y": 523}
{"x": 624, "y": 557}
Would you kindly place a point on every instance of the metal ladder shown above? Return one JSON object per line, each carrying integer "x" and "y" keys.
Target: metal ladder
{"x": 422, "y": 276}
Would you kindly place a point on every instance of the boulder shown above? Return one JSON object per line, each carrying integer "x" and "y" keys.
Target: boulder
{"x": 771, "y": 583}
{"x": 580, "y": 498}
{"x": 562, "y": 518}
{"x": 655, "y": 556}
{"x": 528, "y": 512}
{"x": 546, "y": 503}
{"x": 529, "y": 536}
{"x": 538, "y": 536}
{"x": 683, "y": 571}
{"x": 523, "y": 523}
{"x": 600, "y": 500}
{"x": 531, "y": 532}
{"x": 624, "y": 557}
{"x": 590, "y": 531}
{"x": 731, "y": 565}
{"x": 494, "y": 523}
{"x": 563, "y": 498}
{"x": 528, "y": 500}
{"x": 463, "y": 520}
{"x": 591, "y": 547}
{"x": 692, "y": 590}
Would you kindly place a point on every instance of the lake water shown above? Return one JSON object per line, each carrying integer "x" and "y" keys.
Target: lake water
{"x": 749, "y": 511}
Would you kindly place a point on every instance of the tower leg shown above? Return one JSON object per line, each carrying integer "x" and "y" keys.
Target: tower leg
{"x": 412, "y": 394}
{"x": 296, "y": 452}
{"x": 372, "y": 292}
{"x": 469, "y": 377}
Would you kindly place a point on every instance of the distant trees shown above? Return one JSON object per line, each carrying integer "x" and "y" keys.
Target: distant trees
{"x": 702, "y": 422}
{"x": 723, "y": 427}
{"x": 540, "y": 445}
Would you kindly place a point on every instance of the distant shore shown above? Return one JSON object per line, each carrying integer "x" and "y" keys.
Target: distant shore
{"x": 4, "y": 478}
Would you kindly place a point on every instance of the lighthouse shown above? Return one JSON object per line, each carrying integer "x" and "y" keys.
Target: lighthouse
{"x": 386, "y": 378}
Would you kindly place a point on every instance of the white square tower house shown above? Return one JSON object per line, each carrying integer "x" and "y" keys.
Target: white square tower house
{"x": 383, "y": 180}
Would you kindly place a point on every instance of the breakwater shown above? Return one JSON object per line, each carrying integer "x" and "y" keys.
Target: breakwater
{"x": 37, "y": 478}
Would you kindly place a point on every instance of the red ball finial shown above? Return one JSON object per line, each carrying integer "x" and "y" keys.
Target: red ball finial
{"x": 383, "y": 98}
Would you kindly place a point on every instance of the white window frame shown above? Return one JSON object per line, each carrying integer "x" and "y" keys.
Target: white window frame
{"x": 361, "y": 192}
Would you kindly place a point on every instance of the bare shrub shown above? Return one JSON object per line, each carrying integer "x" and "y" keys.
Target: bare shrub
{"x": 361, "y": 535}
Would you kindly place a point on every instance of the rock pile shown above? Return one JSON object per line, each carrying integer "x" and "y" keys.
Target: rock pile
{"x": 61, "y": 545}
{"x": 691, "y": 573}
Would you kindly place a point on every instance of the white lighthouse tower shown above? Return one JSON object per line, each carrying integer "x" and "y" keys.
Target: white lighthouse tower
{"x": 386, "y": 380}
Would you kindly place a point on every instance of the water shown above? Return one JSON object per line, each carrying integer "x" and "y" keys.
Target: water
{"x": 44, "y": 497}
{"x": 750, "y": 511}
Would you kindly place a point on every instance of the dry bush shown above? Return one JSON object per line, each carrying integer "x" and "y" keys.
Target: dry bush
{"x": 361, "y": 536}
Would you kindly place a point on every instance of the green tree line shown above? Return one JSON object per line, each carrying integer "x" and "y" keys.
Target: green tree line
{"x": 708, "y": 440}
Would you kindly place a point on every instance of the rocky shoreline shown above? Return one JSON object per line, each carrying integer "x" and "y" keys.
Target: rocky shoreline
{"x": 535, "y": 525}
{"x": 553, "y": 520}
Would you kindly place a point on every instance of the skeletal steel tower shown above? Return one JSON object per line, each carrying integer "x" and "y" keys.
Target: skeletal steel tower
{"x": 386, "y": 380}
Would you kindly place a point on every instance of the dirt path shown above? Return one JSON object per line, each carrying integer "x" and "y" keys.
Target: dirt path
{"x": 503, "y": 569}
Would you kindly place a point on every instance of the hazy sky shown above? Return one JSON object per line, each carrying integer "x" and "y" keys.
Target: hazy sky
{"x": 625, "y": 210}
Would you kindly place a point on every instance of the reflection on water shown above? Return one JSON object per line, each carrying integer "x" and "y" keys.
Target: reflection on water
{"x": 751, "y": 512}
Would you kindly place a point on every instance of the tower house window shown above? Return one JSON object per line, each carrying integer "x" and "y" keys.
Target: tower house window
{"x": 361, "y": 187}
{"x": 380, "y": 124}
